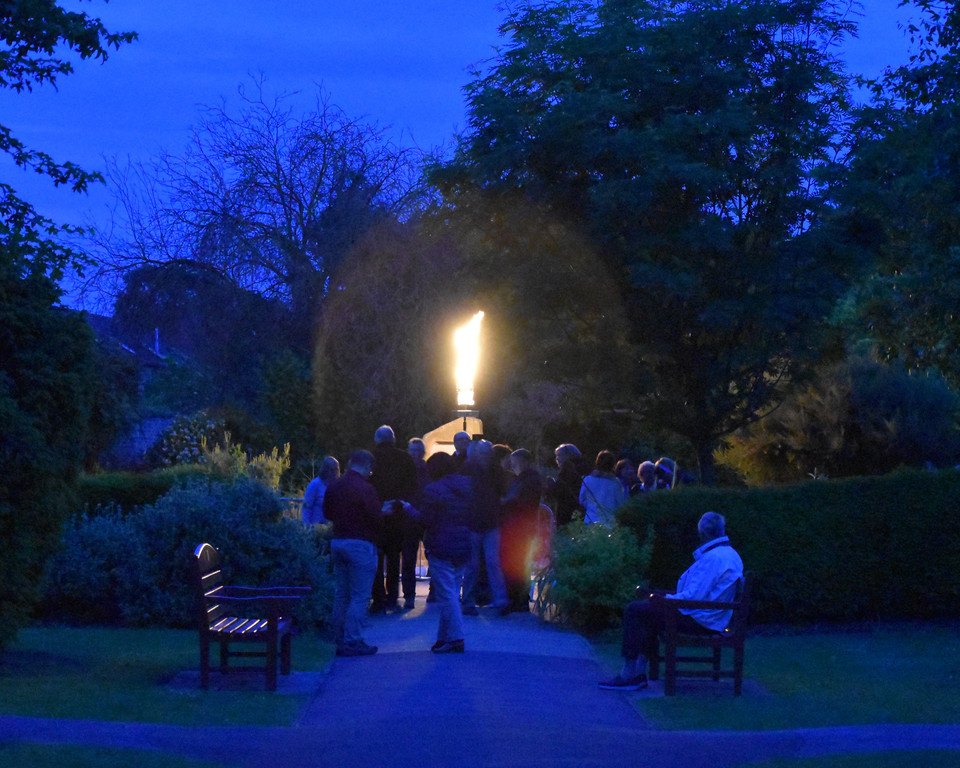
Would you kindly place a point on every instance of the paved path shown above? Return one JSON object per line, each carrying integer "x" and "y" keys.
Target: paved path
{"x": 524, "y": 694}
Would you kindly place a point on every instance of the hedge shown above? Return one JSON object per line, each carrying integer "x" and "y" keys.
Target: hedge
{"x": 847, "y": 550}
{"x": 128, "y": 491}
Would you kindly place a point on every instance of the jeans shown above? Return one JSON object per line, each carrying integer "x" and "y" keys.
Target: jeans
{"x": 446, "y": 577}
{"x": 488, "y": 545}
{"x": 354, "y": 564}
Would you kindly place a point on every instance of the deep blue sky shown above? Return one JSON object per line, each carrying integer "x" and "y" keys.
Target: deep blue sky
{"x": 396, "y": 62}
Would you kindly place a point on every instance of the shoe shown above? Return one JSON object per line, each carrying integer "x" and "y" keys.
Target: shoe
{"x": 451, "y": 646}
{"x": 469, "y": 610}
{"x": 620, "y": 683}
{"x": 437, "y": 644}
{"x": 393, "y": 607}
{"x": 356, "y": 649}
{"x": 409, "y": 604}
{"x": 376, "y": 610}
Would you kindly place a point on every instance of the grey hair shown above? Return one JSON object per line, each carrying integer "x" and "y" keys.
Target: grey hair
{"x": 384, "y": 434}
{"x": 711, "y": 526}
{"x": 566, "y": 451}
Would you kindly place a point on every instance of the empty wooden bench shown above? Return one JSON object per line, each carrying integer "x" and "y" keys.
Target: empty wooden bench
{"x": 709, "y": 661}
{"x": 232, "y": 616}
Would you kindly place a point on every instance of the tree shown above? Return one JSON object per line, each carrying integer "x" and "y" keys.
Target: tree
{"x": 856, "y": 417}
{"x": 30, "y": 36}
{"x": 903, "y": 198}
{"x": 696, "y": 145}
{"x": 46, "y": 371}
{"x": 267, "y": 198}
{"x": 551, "y": 338}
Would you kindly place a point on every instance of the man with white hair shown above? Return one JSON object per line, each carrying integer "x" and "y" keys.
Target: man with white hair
{"x": 716, "y": 570}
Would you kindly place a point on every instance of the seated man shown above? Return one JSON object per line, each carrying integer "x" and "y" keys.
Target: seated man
{"x": 713, "y": 576}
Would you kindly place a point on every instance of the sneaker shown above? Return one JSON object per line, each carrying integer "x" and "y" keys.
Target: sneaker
{"x": 620, "y": 683}
{"x": 409, "y": 604}
{"x": 356, "y": 649}
{"x": 451, "y": 646}
{"x": 469, "y": 610}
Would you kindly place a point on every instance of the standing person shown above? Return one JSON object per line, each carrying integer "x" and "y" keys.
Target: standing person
{"x": 414, "y": 533}
{"x": 627, "y": 477}
{"x": 352, "y": 505}
{"x": 461, "y": 445}
{"x": 716, "y": 569}
{"x": 395, "y": 478}
{"x": 312, "y": 512}
{"x": 486, "y": 481}
{"x": 445, "y": 512}
{"x": 647, "y": 474}
{"x": 601, "y": 493}
{"x": 521, "y": 507}
{"x": 565, "y": 490}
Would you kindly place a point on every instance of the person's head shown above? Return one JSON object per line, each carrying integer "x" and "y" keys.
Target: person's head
{"x": 329, "y": 469}
{"x": 416, "y": 448}
{"x": 624, "y": 470}
{"x": 665, "y": 469}
{"x": 567, "y": 452}
{"x": 647, "y": 472}
{"x": 521, "y": 460}
{"x": 481, "y": 451}
{"x": 440, "y": 465}
{"x": 461, "y": 442}
{"x": 606, "y": 461}
{"x": 384, "y": 434}
{"x": 362, "y": 461}
{"x": 501, "y": 454}
{"x": 711, "y": 526}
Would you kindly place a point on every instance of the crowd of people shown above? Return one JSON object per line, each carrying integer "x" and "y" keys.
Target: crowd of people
{"x": 479, "y": 513}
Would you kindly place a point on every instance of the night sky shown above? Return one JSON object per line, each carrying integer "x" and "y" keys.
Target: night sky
{"x": 400, "y": 64}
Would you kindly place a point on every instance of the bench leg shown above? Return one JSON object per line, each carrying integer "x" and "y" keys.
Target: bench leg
{"x": 204, "y": 663}
{"x": 224, "y": 656}
{"x": 737, "y": 669}
{"x": 272, "y": 664}
{"x": 285, "y": 654}
{"x": 716, "y": 664}
{"x": 670, "y": 671}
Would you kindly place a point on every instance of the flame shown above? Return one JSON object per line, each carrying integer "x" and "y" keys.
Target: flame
{"x": 467, "y": 343}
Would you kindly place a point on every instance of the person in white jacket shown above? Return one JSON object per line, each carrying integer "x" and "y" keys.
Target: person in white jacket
{"x": 602, "y": 493}
{"x": 716, "y": 570}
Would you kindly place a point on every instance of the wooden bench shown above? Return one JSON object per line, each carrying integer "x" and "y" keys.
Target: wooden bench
{"x": 224, "y": 616}
{"x": 691, "y": 664}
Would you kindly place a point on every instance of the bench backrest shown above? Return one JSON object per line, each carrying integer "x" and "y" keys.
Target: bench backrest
{"x": 208, "y": 581}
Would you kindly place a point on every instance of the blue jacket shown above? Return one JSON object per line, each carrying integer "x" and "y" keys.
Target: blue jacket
{"x": 446, "y": 514}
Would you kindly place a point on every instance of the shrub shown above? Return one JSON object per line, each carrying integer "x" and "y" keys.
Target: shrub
{"x": 183, "y": 442}
{"x": 127, "y": 491}
{"x": 855, "y": 418}
{"x": 136, "y": 569}
{"x": 597, "y": 571}
{"x": 838, "y": 550}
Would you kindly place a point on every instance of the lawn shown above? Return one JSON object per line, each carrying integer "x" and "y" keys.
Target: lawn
{"x": 889, "y": 674}
{"x": 122, "y": 674}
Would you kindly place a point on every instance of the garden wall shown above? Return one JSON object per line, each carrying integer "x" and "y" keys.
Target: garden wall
{"x": 846, "y": 550}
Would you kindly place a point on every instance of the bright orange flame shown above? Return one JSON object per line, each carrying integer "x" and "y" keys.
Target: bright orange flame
{"x": 467, "y": 343}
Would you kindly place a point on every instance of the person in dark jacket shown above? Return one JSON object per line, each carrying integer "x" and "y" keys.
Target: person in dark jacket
{"x": 485, "y": 475}
{"x": 445, "y": 512}
{"x": 352, "y": 505}
{"x": 394, "y": 477}
{"x": 565, "y": 490}
{"x": 521, "y": 507}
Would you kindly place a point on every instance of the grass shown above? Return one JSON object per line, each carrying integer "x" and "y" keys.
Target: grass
{"x": 121, "y": 675}
{"x": 50, "y": 756}
{"x": 891, "y": 674}
{"x": 894, "y": 759}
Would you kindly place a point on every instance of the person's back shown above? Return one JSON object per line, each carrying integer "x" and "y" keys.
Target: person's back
{"x": 352, "y": 505}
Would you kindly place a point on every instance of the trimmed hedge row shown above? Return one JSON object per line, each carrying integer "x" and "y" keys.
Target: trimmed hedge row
{"x": 847, "y": 550}
{"x": 129, "y": 491}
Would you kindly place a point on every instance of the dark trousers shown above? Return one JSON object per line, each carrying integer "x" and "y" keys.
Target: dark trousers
{"x": 642, "y": 624}
{"x": 396, "y": 567}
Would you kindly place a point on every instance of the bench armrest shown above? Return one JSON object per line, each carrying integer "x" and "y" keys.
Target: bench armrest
{"x": 695, "y": 604}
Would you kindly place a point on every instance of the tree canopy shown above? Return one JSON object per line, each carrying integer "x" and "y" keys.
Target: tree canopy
{"x": 697, "y": 145}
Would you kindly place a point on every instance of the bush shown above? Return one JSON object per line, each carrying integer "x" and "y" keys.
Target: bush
{"x": 127, "y": 491}
{"x": 845, "y": 550}
{"x": 137, "y": 569}
{"x": 183, "y": 442}
{"x": 597, "y": 571}
{"x": 855, "y": 418}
